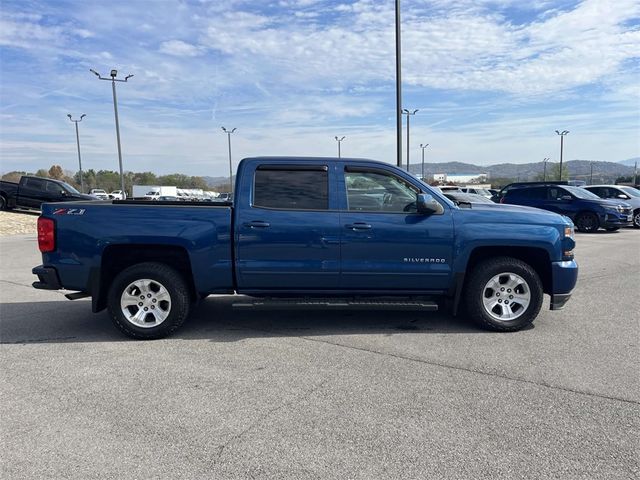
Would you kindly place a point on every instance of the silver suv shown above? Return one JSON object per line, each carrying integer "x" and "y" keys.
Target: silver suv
{"x": 620, "y": 192}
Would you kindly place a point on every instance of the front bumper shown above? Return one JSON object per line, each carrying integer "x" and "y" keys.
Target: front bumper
{"x": 610, "y": 219}
{"x": 564, "y": 278}
{"x": 47, "y": 278}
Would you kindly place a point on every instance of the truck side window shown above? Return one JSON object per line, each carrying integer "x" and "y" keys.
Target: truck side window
{"x": 35, "y": 184}
{"x": 378, "y": 192}
{"x": 291, "y": 188}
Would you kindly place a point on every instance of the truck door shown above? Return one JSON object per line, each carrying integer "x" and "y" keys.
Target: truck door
{"x": 31, "y": 192}
{"x": 287, "y": 230}
{"x": 386, "y": 244}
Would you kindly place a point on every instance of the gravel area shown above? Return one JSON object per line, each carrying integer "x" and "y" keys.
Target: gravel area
{"x": 17, "y": 223}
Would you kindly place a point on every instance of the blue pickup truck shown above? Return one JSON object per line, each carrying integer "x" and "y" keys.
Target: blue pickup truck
{"x": 323, "y": 232}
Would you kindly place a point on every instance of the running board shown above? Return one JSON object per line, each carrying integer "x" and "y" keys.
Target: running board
{"x": 337, "y": 304}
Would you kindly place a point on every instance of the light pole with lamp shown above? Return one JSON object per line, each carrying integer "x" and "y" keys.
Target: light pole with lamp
{"x": 78, "y": 143}
{"x": 339, "y": 140}
{"x": 562, "y": 134}
{"x": 113, "y": 74}
{"x": 423, "y": 147}
{"x": 408, "y": 113}
{"x": 229, "y": 132}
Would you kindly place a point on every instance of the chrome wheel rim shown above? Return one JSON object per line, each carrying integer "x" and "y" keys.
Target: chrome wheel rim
{"x": 506, "y": 296}
{"x": 636, "y": 219}
{"x": 145, "y": 303}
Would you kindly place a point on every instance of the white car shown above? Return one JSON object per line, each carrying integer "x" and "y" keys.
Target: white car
{"x": 118, "y": 195}
{"x": 99, "y": 194}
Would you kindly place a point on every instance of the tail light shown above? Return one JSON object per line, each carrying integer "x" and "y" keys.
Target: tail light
{"x": 46, "y": 235}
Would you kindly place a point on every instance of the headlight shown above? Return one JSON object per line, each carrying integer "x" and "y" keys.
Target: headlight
{"x": 569, "y": 232}
{"x": 617, "y": 209}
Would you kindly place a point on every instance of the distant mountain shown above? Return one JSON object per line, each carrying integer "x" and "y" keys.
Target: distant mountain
{"x": 578, "y": 169}
{"x": 215, "y": 181}
{"x": 630, "y": 162}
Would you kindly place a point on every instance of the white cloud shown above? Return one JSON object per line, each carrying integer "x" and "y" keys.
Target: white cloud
{"x": 180, "y": 49}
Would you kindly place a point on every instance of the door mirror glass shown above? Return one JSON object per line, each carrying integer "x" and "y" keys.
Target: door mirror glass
{"x": 623, "y": 196}
{"x": 426, "y": 204}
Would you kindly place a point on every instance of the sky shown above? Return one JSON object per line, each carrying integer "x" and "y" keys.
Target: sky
{"x": 492, "y": 80}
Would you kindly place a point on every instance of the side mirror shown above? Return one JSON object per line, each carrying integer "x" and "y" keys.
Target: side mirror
{"x": 623, "y": 196}
{"x": 426, "y": 204}
{"x": 63, "y": 193}
{"x": 566, "y": 198}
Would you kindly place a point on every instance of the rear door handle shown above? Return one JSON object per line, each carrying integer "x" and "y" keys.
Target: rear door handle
{"x": 257, "y": 224}
{"x": 358, "y": 226}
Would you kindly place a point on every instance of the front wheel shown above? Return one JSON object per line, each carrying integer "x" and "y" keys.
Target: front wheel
{"x": 3, "y": 203}
{"x": 148, "y": 300}
{"x": 636, "y": 219}
{"x": 587, "y": 222}
{"x": 503, "y": 294}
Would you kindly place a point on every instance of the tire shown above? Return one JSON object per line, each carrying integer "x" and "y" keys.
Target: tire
{"x": 3, "y": 203}
{"x": 167, "y": 301}
{"x": 587, "y": 222}
{"x": 499, "y": 281}
{"x": 636, "y": 219}
{"x": 612, "y": 229}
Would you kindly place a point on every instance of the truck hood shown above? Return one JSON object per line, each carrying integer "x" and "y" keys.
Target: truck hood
{"x": 505, "y": 213}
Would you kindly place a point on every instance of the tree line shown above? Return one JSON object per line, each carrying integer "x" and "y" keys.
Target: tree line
{"x": 109, "y": 180}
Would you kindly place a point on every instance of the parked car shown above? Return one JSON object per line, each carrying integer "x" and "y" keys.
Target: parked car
{"x": 459, "y": 197}
{"x": 620, "y": 192}
{"x": 32, "y": 191}
{"x": 99, "y": 193}
{"x": 477, "y": 191}
{"x": 498, "y": 196}
{"x": 353, "y": 232}
{"x": 168, "y": 198}
{"x": 118, "y": 195}
{"x": 588, "y": 211}
{"x": 226, "y": 197}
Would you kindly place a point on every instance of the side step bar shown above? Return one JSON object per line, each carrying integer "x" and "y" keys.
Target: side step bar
{"x": 336, "y": 304}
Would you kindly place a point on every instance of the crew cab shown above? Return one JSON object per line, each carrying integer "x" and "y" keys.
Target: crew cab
{"x": 32, "y": 191}
{"x": 313, "y": 232}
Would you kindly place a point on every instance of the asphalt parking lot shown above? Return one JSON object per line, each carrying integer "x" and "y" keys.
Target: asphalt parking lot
{"x": 311, "y": 394}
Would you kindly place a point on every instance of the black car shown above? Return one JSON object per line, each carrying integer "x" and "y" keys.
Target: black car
{"x": 31, "y": 192}
{"x": 588, "y": 211}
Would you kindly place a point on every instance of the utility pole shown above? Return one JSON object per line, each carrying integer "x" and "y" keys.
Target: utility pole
{"x": 423, "y": 147}
{"x": 113, "y": 74}
{"x": 229, "y": 132}
{"x": 591, "y": 173}
{"x": 408, "y": 113}
{"x": 635, "y": 173}
{"x": 339, "y": 140}
{"x": 398, "y": 89}
{"x": 78, "y": 143}
{"x": 544, "y": 171}
{"x": 562, "y": 134}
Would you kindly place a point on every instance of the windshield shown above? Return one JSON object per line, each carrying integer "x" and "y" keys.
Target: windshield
{"x": 69, "y": 188}
{"x": 632, "y": 192}
{"x": 581, "y": 193}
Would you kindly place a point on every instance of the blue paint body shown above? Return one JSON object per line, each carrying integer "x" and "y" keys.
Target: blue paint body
{"x": 263, "y": 251}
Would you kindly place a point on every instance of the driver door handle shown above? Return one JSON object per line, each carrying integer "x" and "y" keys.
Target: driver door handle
{"x": 358, "y": 226}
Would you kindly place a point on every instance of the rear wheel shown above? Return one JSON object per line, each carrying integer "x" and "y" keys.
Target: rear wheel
{"x": 587, "y": 222}
{"x": 3, "y": 203}
{"x": 503, "y": 294}
{"x": 149, "y": 300}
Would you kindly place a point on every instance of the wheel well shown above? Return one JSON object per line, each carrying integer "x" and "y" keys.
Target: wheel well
{"x": 116, "y": 258}
{"x": 537, "y": 258}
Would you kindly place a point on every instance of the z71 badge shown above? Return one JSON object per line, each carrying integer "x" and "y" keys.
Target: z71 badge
{"x": 69, "y": 211}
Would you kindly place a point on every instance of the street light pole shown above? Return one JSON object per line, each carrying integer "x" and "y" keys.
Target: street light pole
{"x": 544, "y": 171}
{"x": 408, "y": 113}
{"x": 78, "y": 143}
{"x": 591, "y": 173}
{"x": 423, "y": 147}
{"x": 229, "y": 132}
{"x": 113, "y": 74}
{"x": 339, "y": 140}
{"x": 562, "y": 134}
{"x": 398, "y": 89}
